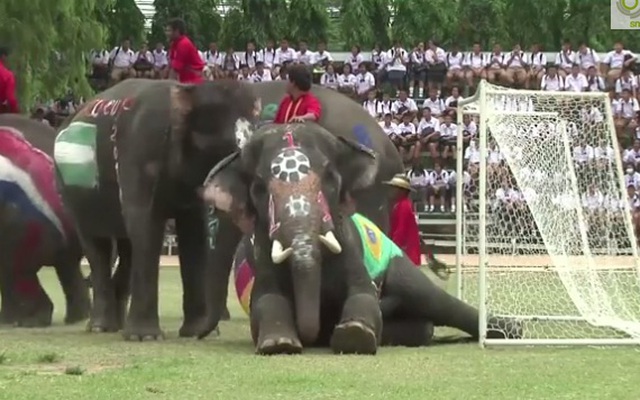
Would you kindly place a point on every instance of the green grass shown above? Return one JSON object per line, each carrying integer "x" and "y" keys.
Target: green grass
{"x": 64, "y": 362}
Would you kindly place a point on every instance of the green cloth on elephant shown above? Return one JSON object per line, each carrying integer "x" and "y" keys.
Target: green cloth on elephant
{"x": 378, "y": 249}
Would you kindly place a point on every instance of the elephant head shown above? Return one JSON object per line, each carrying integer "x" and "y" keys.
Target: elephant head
{"x": 288, "y": 183}
{"x": 208, "y": 122}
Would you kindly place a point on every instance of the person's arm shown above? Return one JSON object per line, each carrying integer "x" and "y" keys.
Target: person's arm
{"x": 313, "y": 107}
{"x": 10, "y": 93}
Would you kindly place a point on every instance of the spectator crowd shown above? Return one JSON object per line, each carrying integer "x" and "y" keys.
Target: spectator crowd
{"x": 413, "y": 92}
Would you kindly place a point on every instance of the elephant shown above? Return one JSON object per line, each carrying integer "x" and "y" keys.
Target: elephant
{"x": 132, "y": 158}
{"x": 36, "y": 229}
{"x": 342, "y": 117}
{"x": 314, "y": 264}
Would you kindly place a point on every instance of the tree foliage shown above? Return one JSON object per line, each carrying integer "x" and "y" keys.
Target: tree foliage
{"x": 122, "y": 19}
{"x": 49, "y": 41}
{"x": 202, "y": 19}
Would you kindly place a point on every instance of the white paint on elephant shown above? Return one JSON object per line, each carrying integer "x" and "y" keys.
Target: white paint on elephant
{"x": 243, "y": 131}
{"x": 302, "y": 246}
{"x": 298, "y": 206}
{"x": 217, "y": 198}
{"x": 290, "y": 165}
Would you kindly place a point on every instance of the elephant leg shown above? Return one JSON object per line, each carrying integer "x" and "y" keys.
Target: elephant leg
{"x": 103, "y": 314}
{"x": 406, "y": 332}
{"x": 415, "y": 296}
{"x": 8, "y": 306}
{"x": 192, "y": 242}
{"x": 122, "y": 280}
{"x": 73, "y": 284}
{"x": 146, "y": 233}
{"x": 272, "y": 325}
{"x": 217, "y": 273}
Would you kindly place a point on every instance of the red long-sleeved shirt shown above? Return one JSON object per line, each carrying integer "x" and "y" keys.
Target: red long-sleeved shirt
{"x": 8, "y": 101}
{"x": 289, "y": 108}
{"x": 186, "y": 60}
{"x": 404, "y": 229}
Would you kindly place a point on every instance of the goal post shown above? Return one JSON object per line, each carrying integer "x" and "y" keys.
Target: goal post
{"x": 544, "y": 231}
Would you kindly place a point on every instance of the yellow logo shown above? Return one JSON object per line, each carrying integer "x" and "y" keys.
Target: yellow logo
{"x": 630, "y": 8}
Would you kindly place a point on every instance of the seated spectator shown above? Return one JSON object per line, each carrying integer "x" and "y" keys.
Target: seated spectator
{"x": 438, "y": 187}
{"x": 595, "y": 83}
{"x": 347, "y": 80}
{"x": 586, "y": 58}
{"x": 244, "y": 74}
{"x": 436, "y": 59}
{"x": 593, "y": 203}
{"x": 404, "y": 104}
{"x": 495, "y": 160}
{"x": 475, "y": 64}
{"x": 455, "y": 66}
{"x": 396, "y": 61}
{"x": 100, "y": 64}
{"x": 391, "y": 129}
{"x": 143, "y": 64}
{"x": 419, "y": 179}
{"x": 576, "y": 81}
{"x": 453, "y": 190}
{"x": 472, "y": 157}
{"x": 386, "y": 105}
{"x": 213, "y": 62}
{"x": 633, "y": 200}
{"x": 616, "y": 60}
{"x": 631, "y": 177}
{"x": 418, "y": 70}
{"x": 435, "y": 103}
{"x": 565, "y": 59}
{"x": 448, "y": 137}
{"x": 269, "y": 56}
{"x": 515, "y": 73}
{"x": 552, "y": 81}
{"x": 284, "y": 54}
{"x": 507, "y": 198}
{"x": 329, "y": 79}
{"x": 627, "y": 81}
{"x": 469, "y": 128}
{"x": 260, "y": 74}
{"x": 377, "y": 59}
{"x": 322, "y": 58}
{"x": 582, "y": 154}
{"x": 537, "y": 62}
{"x": 283, "y": 74}
{"x": 428, "y": 133}
{"x": 451, "y": 103}
{"x": 121, "y": 62}
{"x": 250, "y": 57}
{"x": 604, "y": 154}
{"x": 632, "y": 155}
{"x": 160, "y": 62}
{"x": 371, "y": 103}
{"x": 365, "y": 81}
{"x": 355, "y": 58}
{"x": 304, "y": 56}
{"x": 495, "y": 65}
{"x": 625, "y": 114}
{"x": 230, "y": 64}
{"x": 408, "y": 139}
{"x": 39, "y": 115}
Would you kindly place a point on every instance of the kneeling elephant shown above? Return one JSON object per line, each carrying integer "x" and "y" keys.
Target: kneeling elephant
{"x": 312, "y": 263}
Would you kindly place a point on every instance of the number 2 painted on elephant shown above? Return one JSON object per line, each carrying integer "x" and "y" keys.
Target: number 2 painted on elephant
{"x": 212, "y": 227}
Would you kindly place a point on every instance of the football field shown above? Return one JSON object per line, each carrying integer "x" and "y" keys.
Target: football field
{"x": 64, "y": 362}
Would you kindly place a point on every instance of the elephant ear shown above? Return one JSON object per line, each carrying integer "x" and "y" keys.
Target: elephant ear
{"x": 358, "y": 165}
{"x": 182, "y": 101}
{"x": 226, "y": 189}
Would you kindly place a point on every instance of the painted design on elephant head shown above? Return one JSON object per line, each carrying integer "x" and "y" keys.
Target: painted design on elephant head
{"x": 302, "y": 246}
{"x": 298, "y": 206}
{"x": 212, "y": 227}
{"x": 243, "y": 131}
{"x": 290, "y": 165}
{"x": 326, "y": 212}
{"x": 273, "y": 225}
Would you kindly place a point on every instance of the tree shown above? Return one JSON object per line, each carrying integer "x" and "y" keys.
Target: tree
{"x": 308, "y": 20}
{"x": 122, "y": 19}
{"x": 49, "y": 41}
{"x": 413, "y": 22}
{"x": 201, "y": 17}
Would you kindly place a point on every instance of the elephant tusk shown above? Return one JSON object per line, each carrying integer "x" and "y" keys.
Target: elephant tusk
{"x": 329, "y": 240}
{"x": 278, "y": 253}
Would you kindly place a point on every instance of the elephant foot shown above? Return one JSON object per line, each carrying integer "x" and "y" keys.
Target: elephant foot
{"x": 7, "y": 318}
{"x": 226, "y": 316}
{"x": 141, "y": 331}
{"x": 77, "y": 313}
{"x": 191, "y": 328}
{"x": 102, "y": 326}
{"x": 38, "y": 320}
{"x": 504, "y": 328}
{"x": 353, "y": 337}
{"x": 35, "y": 314}
{"x": 281, "y": 345}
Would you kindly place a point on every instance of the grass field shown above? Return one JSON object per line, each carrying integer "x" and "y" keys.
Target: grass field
{"x": 64, "y": 362}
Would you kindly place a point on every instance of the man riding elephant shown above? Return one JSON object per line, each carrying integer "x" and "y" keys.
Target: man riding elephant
{"x": 314, "y": 265}
{"x": 132, "y": 158}
{"x": 36, "y": 230}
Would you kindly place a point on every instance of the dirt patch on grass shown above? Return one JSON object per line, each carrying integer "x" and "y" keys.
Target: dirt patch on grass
{"x": 63, "y": 369}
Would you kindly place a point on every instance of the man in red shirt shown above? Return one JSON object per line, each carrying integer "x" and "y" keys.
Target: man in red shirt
{"x": 404, "y": 227}
{"x": 185, "y": 62}
{"x": 300, "y": 104}
{"x": 8, "y": 102}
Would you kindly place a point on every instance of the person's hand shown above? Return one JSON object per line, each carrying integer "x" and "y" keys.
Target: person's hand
{"x": 298, "y": 119}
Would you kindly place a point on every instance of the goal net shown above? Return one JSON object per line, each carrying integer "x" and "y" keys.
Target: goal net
{"x": 544, "y": 229}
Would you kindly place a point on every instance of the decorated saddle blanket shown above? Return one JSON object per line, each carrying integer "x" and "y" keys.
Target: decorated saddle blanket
{"x": 27, "y": 181}
{"x": 378, "y": 250}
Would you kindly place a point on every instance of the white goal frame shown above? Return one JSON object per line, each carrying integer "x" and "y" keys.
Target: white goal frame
{"x": 479, "y": 107}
